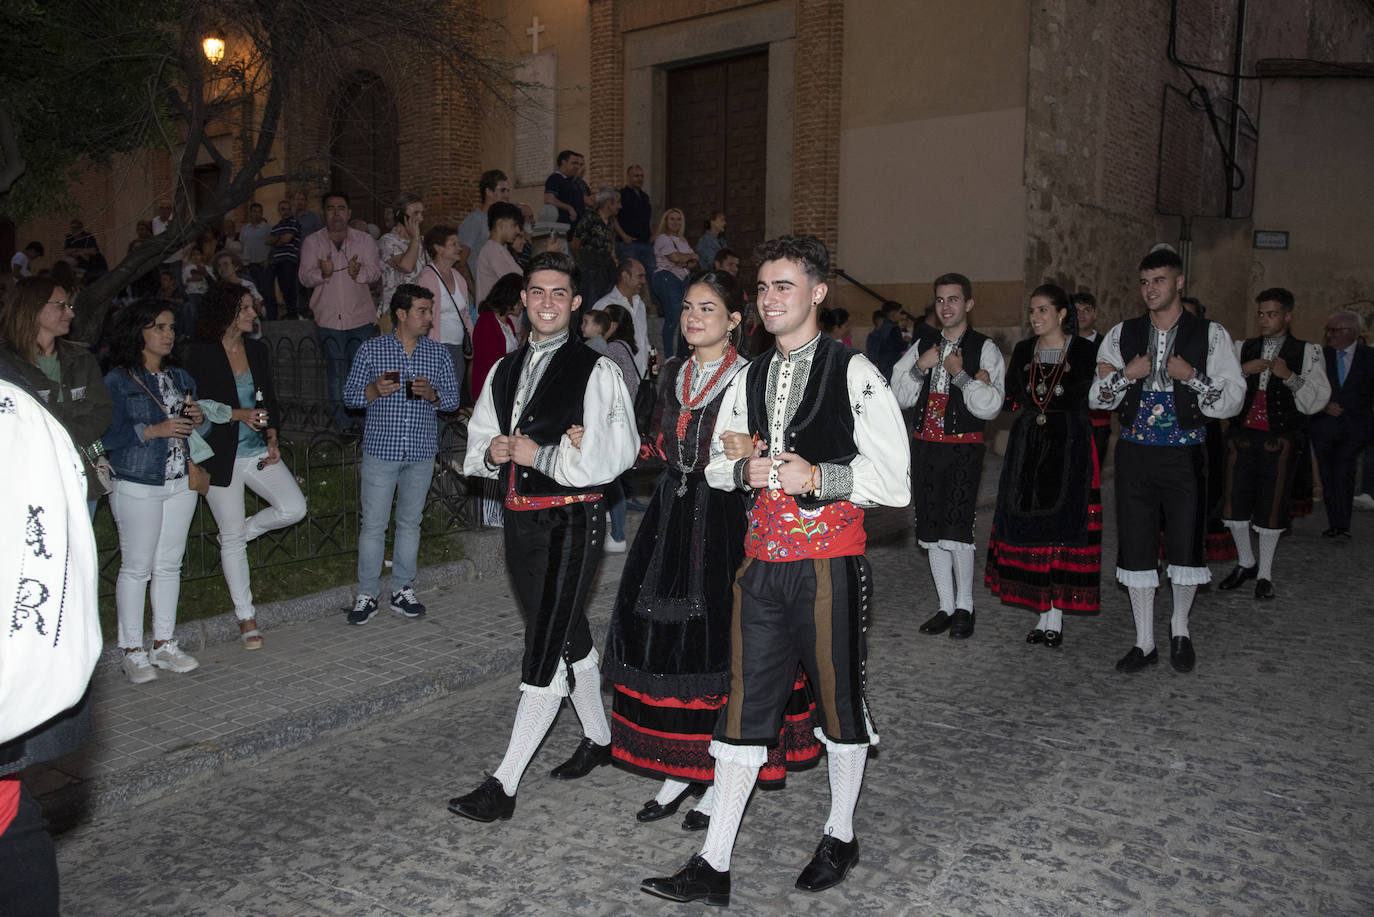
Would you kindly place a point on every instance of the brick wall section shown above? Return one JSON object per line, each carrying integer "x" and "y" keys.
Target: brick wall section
{"x": 816, "y": 130}
{"x": 640, "y": 14}
{"x": 606, "y": 157}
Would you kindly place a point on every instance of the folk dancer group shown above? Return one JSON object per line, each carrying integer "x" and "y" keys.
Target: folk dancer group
{"x": 743, "y": 611}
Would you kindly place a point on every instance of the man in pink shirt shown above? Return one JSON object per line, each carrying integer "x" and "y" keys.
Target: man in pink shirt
{"x": 337, "y": 264}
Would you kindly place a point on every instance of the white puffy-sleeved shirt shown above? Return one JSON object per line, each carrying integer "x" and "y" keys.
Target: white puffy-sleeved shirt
{"x": 1311, "y": 389}
{"x": 983, "y": 399}
{"x": 610, "y": 440}
{"x": 1219, "y": 385}
{"x": 879, "y": 475}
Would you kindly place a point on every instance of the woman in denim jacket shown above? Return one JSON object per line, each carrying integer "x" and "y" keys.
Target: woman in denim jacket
{"x": 154, "y": 412}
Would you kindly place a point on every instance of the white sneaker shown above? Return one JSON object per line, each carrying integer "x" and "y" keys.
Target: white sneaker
{"x": 137, "y": 667}
{"x": 614, "y": 547}
{"x": 169, "y": 656}
{"x": 1364, "y": 501}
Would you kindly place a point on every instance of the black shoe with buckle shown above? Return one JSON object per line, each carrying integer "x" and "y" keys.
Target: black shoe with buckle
{"x": 696, "y": 881}
{"x": 654, "y": 810}
{"x": 1136, "y": 659}
{"x": 937, "y": 623}
{"x": 584, "y": 760}
{"x": 486, "y": 803}
{"x": 829, "y": 864}
{"x": 961, "y": 624}
{"x": 1237, "y": 577}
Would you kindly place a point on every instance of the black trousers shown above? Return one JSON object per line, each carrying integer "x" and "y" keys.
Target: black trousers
{"x": 1260, "y": 467}
{"x": 28, "y": 863}
{"x": 1337, "y": 449}
{"x": 552, "y": 555}
{"x": 812, "y": 611}
{"x": 1160, "y": 485}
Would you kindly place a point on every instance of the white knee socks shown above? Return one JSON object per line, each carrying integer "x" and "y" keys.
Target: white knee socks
{"x": 1268, "y": 543}
{"x": 1240, "y": 534}
{"x": 533, "y": 718}
{"x": 734, "y": 782}
{"x": 942, "y": 571}
{"x": 1143, "y": 610}
{"x": 846, "y": 778}
{"x": 586, "y": 700}
{"x": 1183, "y": 603}
{"x": 963, "y": 578}
{"x": 707, "y": 800}
{"x": 670, "y": 790}
{"x": 1055, "y": 619}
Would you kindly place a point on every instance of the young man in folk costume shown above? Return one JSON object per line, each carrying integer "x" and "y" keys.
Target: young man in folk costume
{"x": 555, "y": 425}
{"x": 1165, "y": 373}
{"x": 955, "y": 380}
{"x": 1285, "y": 381}
{"x": 830, "y": 440}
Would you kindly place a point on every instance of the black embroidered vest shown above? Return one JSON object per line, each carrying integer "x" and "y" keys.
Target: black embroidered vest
{"x": 1190, "y": 343}
{"x": 958, "y": 418}
{"x": 555, "y": 405}
{"x": 822, "y": 429}
{"x": 1283, "y": 412}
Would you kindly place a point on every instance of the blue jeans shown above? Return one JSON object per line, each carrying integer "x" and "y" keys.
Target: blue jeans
{"x": 615, "y": 500}
{"x": 668, "y": 294}
{"x": 337, "y": 349}
{"x": 409, "y": 483}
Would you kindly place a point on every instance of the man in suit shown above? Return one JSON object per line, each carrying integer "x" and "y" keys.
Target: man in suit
{"x": 1346, "y": 424}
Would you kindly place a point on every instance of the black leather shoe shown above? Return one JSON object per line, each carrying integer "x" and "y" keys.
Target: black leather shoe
{"x": 829, "y": 864}
{"x": 1054, "y": 638}
{"x": 1036, "y": 636}
{"x": 961, "y": 624}
{"x": 937, "y": 624}
{"x": 1264, "y": 590}
{"x": 693, "y": 882}
{"x": 1136, "y": 660}
{"x": 1336, "y": 532}
{"x": 1181, "y": 655}
{"x": 696, "y": 821}
{"x": 653, "y": 811}
{"x": 1237, "y": 576}
{"x": 486, "y": 803}
{"x": 588, "y": 756}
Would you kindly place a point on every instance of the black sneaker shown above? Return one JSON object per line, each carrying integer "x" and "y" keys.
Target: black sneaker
{"x": 363, "y": 610}
{"x": 405, "y": 602}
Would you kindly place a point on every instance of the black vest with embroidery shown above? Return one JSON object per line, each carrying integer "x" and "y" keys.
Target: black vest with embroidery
{"x": 555, "y": 405}
{"x": 1282, "y": 410}
{"x": 822, "y": 429}
{"x": 1190, "y": 343}
{"x": 958, "y": 418}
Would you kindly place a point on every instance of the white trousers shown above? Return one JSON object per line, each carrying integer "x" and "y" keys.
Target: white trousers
{"x": 286, "y": 506}
{"x": 152, "y": 521}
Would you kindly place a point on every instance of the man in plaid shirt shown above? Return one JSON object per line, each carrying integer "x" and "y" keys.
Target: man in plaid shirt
{"x": 402, "y": 379}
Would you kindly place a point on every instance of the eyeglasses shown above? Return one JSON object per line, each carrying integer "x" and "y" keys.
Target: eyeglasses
{"x": 60, "y": 302}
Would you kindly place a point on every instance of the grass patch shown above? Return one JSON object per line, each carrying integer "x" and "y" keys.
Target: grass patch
{"x": 294, "y": 568}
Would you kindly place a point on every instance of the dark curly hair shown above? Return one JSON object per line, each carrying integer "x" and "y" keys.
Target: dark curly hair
{"x": 219, "y": 308}
{"x": 561, "y": 262}
{"x": 808, "y": 251}
{"x": 126, "y": 333}
{"x": 504, "y": 295}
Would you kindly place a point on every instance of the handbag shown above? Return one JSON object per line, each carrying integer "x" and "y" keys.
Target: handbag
{"x": 197, "y": 478}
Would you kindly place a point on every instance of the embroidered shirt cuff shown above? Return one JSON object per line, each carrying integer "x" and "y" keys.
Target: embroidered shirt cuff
{"x": 961, "y": 380}
{"x": 545, "y": 457}
{"x": 1199, "y": 383}
{"x": 837, "y": 481}
{"x": 1295, "y": 381}
{"x": 742, "y": 474}
{"x": 486, "y": 460}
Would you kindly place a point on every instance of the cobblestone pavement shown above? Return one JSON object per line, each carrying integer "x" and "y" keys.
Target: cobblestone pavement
{"x": 1010, "y": 780}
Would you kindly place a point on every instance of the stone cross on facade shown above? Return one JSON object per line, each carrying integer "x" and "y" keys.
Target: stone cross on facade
{"x": 533, "y": 32}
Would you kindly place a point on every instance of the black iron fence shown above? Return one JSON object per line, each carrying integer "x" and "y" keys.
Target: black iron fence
{"x": 327, "y": 466}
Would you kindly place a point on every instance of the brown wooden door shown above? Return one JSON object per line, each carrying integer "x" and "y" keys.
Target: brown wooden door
{"x": 717, "y": 148}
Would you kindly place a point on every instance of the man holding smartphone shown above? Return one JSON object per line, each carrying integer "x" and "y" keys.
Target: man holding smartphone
{"x": 401, "y": 379}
